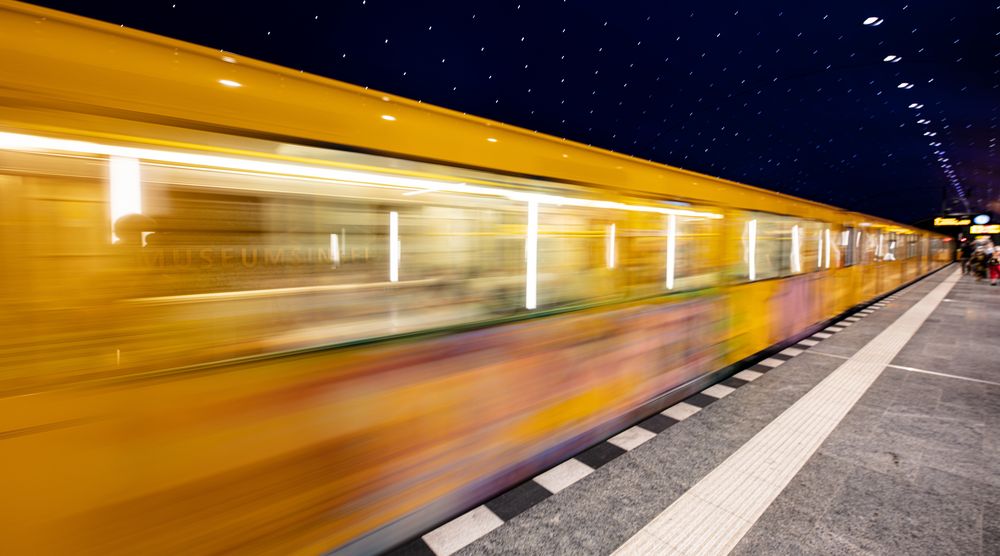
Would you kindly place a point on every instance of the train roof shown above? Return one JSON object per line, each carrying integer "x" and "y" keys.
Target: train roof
{"x": 51, "y": 58}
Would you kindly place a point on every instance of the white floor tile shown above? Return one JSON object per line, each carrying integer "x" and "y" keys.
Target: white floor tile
{"x": 821, "y": 335}
{"x": 772, "y": 362}
{"x": 718, "y": 390}
{"x": 808, "y": 342}
{"x": 681, "y": 411}
{"x": 563, "y": 475}
{"x": 832, "y": 329}
{"x": 748, "y": 375}
{"x": 461, "y": 531}
{"x": 791, "y": 351}
{"x": 631, "y": 438}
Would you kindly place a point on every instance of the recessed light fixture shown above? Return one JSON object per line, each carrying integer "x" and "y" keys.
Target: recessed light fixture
{"x": 388, "y": 118}
{"x": 892, "y": 58}
{"x": 873, "y": 21}
{"x": 491, "y": 139}
{"x": 230, "y": 83}
{"x": 904, "y": 85}
{"x": 229, "y": 59}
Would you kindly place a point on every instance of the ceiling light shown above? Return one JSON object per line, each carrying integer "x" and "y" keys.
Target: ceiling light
{"x": 892, "y": 58}
{"x": 229, "y": 59}
{"x": 230, "y": 83}
{"x": 388, "y": 118}
{"x": 904, "y": 85}
{"x": 873, "y": 21}
{"x": 491, "y": 139}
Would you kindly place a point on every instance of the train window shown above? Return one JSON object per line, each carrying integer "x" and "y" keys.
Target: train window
{"x": 766, "y": 246}
{"x": 847, "y": 244}
{"x": 889, "y": 254}
{"x": 579, "y": 254}
{"x": 697, "y": 241}
{"x": 811, "y": 245}
{"x": 869, "y": 246}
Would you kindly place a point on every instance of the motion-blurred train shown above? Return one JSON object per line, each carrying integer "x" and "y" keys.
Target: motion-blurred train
{"x": 248, "y": 309}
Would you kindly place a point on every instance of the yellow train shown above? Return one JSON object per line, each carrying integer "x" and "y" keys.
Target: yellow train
{"x": 247, "y": 309}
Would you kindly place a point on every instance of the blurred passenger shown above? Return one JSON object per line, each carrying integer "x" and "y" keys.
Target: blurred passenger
{"x": 978, "y": 263}
{"x": 965, "y": 255}
{"x": 993, "y": 264}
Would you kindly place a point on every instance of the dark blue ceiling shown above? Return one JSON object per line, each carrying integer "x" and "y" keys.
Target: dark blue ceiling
{"x": 790, "y": 96}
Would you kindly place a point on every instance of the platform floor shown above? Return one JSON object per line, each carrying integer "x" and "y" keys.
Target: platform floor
{"x": 878, "y": 435}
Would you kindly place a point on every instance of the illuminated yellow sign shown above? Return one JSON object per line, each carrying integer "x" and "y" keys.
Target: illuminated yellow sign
{"x": 985, "y": 229}
{"x": 942, "y": 221}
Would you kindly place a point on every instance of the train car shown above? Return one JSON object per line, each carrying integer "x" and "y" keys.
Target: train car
{"x": 248, "y": 309}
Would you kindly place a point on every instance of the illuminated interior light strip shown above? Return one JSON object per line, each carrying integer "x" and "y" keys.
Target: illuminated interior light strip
{"x": 827, "y": 235}
{"x": 612, "y": 205}
{"x": 125, "y": 189}
{"x": 611, "y": 246}
{"x": 18, "y": 141}
{"x": 335, "y": 249}
{"x": 671, "y": 249}
{"x": 531, "y": 257}
{"x": 394, "y": 246}
{"x": 796, "y": 257}
{"x": 752, "y": 250}
{"x": 819, "y": 252}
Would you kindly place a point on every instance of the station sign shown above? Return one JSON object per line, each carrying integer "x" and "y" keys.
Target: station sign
{"x": 976, "y": 229}
{"x": 950, "y": 221}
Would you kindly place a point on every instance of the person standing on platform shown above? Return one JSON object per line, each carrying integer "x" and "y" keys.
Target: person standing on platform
{"x": 978, "y": 264}
{"x": 965, "y": 255}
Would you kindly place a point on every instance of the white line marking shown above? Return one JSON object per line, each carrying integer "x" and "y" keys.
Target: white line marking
{"x": 631, "y": 438}
{"x": 828, "y": 354}
{"x": 915, "y": 370}
{"x": 461, "y": 531}
{"x": 563, "y": 475}
{"x": 716, "y": 513}
{"x": 681, "y": 411}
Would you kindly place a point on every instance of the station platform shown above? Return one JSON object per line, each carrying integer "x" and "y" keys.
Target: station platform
{"x": 877, "y": 435}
